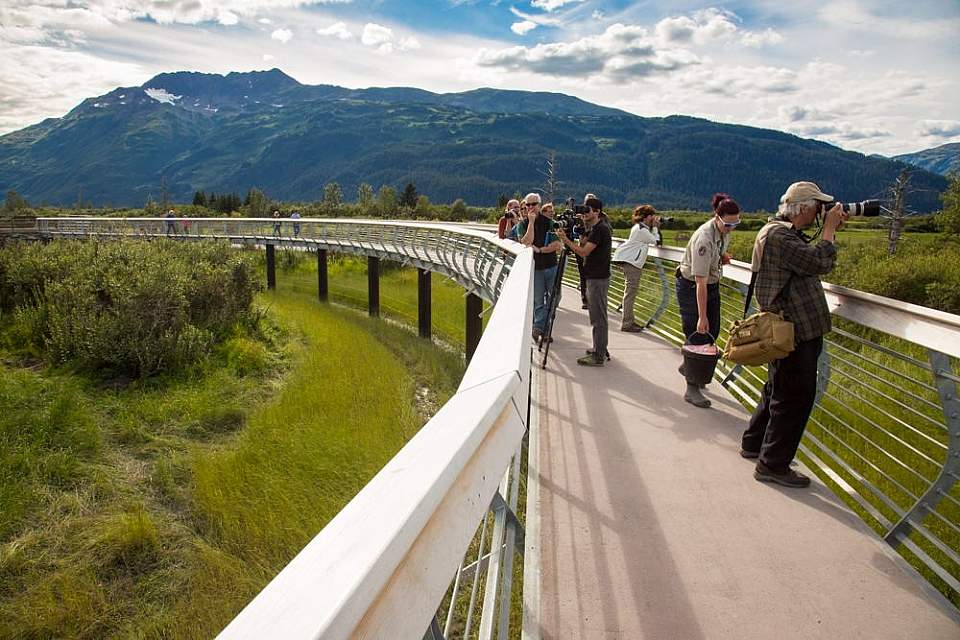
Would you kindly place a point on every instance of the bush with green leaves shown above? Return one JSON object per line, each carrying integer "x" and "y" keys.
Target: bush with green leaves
{"x": 129, "y": 308}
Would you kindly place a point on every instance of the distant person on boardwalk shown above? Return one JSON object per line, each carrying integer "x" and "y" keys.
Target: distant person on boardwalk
{"x": 630, "y": 257}
{"x": 276, "y": 223}
{"x": 295, "y": 216}
{"x": 185, "y": 224}
{"x": 787, "y": 268}
{"x": 170, "y": 224}
{"x": 698, "y": 281}
{"x": 508, "y": 219}
{"x": 594, "y": 248}
{"x": 537, "y": 233}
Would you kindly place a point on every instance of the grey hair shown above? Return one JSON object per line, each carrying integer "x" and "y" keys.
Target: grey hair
{"x": 530, "y": 195}
{"x": 791, "y": 210}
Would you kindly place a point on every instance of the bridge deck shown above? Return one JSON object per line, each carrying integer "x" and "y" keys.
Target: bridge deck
{"x": 652, "y": 526}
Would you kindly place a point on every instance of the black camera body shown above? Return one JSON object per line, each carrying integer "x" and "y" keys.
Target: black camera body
{"x": 569, "y": 220}
{"x": 866, "y": 208}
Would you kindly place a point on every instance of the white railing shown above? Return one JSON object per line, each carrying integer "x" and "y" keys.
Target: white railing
{"x": 382, "y": 566}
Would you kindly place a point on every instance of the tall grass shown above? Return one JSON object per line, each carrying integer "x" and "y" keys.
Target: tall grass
{"x": 184, "y": 495}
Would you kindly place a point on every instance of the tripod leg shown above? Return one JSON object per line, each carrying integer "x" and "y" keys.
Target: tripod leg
{"x": 547, "y": 336}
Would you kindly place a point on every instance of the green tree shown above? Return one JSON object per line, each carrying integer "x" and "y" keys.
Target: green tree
{"x": 949, "y": 218}
{"x": 409, "y": 198}
{"x": 458, "y": 210}
{"x": 332, "y": 197}
{"x": 200, "y": 199}
{"x": 14, "y": 203}
{"x": 258, "y": 204}
{"x": 365, "y": 197}
{"x": 423, "y": 208}
{"x": 387, "y": 201}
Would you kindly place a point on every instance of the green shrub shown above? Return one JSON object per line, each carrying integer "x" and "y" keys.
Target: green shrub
{"x": 245, "y": 356}
{"x": 127, "y": 308}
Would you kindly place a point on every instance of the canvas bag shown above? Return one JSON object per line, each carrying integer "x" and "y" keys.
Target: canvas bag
{"x": 762, "y": 337}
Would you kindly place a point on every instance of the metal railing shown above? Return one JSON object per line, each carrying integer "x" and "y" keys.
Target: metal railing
{"x": 413, "y": 548}
{"x": 885, "y": 431}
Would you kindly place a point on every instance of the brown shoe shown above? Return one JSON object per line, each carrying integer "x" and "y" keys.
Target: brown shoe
{"x": 632, "y": 328}
{"x": 788, "y": 478}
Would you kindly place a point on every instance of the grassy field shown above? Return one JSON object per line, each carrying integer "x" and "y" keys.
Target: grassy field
{"x": 157, "y": 509}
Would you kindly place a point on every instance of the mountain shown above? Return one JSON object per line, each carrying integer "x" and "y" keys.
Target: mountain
{"x": 194, "y": 131}
{"x": 942, "y": 159}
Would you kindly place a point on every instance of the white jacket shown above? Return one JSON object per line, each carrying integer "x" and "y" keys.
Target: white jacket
{"x": 634, "y": 250}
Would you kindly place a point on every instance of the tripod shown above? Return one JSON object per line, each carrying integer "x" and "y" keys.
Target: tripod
{"x": 547, "y": 337}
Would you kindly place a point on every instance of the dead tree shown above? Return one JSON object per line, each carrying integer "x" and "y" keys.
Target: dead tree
{"x": 551, "y": 185}
{"x": 898, "y": 202}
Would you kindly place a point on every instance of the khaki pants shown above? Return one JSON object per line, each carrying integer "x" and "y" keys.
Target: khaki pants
{"x": 631, "y": 282}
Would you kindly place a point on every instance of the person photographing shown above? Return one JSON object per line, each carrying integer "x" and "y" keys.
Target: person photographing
{"x": 630, "y": 257}
{"x": 787, "y": 267}
{"x": 594, "y": 248}
{"x": 536, "y": 232}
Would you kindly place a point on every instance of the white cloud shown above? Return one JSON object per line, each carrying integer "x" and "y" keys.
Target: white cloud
{"x": 522, "y": 28}
{"x": 267, "y": 57}
{"x": 227, "y": 18}
{"x": 551, "y": 5}
{"x": 382, "y": 39}
{"x": 597, "y": 14}
{"x": 282, "y": 35}
{"x": 375, "y": 35}
{"x": 337, "y": 30}
{"x": 265, "y": 21}
{"x": 757, "y": 39}
{"x": 939, "y": 128}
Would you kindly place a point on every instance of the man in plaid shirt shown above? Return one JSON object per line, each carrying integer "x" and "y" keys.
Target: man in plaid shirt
{"x": 788, "y": 270}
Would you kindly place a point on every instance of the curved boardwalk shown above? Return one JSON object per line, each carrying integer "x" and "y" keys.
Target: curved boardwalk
{"x": 652, "y": 526}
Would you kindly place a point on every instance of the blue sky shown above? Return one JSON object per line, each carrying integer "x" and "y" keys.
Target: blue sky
{"x": 871, "y": 75}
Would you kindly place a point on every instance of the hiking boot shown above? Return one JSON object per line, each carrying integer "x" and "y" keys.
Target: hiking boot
{"x": 788, "y": 478}
{"x": 632, "y": 328}
{"x": 537, "y": 334}
{"x": 590, "y": 361}
{"x": 749, "y": 454}
{"x": 694, "y": 397}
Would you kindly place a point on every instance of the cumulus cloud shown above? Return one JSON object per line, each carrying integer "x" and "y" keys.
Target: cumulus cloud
{"x": 282, "y": 35}
{"x": 551, "y": 5}
{"x": 939, "y": 128}
{"x": 383, "y": 40}
{"x": 522, "y": 28}
{"x": 620, "y": 53}
{"x": 336, "y": 30}
{"x": 757, "y": 39}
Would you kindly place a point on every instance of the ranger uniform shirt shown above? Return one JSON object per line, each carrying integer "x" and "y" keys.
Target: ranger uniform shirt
{"x": 786, "y": 257}
{"x": 702, "y": 256}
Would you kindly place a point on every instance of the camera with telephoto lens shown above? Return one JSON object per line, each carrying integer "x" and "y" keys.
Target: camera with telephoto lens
{"x": 570, "y": 221}
{"x": 867, "y": 208}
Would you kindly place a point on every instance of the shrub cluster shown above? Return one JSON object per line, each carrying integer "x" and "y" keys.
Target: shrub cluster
{"x": 130, "y": 308}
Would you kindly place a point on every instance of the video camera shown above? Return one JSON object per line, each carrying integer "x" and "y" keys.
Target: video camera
{"x": 570, "y": 219}
{"x": 867, "y": 208}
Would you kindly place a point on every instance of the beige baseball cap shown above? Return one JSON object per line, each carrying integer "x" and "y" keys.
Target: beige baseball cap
{"x": 803, "y": 191}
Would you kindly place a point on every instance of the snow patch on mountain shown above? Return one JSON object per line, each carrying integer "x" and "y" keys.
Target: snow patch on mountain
{"x": 162, "y": 95}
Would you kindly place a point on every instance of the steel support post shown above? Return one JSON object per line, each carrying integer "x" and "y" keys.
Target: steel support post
{"x": 271, "y": 267}
{"x": 373, "y": 285}
{"x": 423, "y": 303}
{"x": 947, "y": 389}
{"x": 474, "y": 323}
{"x": 322, "y": 289}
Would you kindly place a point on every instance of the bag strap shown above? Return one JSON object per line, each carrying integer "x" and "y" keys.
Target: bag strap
{"x": 746, "y": 301}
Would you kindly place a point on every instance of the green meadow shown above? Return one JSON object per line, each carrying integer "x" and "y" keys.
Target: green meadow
{"x": 158, "y": 506}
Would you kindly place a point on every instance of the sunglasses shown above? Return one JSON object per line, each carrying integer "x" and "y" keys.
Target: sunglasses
{"x": 731, "y": 225}
{"x": 527, "y": 205}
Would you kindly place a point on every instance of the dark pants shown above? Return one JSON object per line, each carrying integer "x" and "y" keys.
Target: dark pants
{"x": 597, "y": 289}
{"x": 687, "y": 301}
{"x": 781, "y": 416}
{"x": 583, "y": 282}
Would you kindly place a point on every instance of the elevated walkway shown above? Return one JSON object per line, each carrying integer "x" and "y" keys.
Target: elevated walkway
{"x": 652, "y": 526}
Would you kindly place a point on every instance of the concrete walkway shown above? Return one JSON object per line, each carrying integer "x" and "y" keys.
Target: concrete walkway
{"x": 652, "y": 526}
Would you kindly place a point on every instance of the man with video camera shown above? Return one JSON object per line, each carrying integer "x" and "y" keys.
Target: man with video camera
{"x": 594, "y": 248}
{"x": 787, "y": 268}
